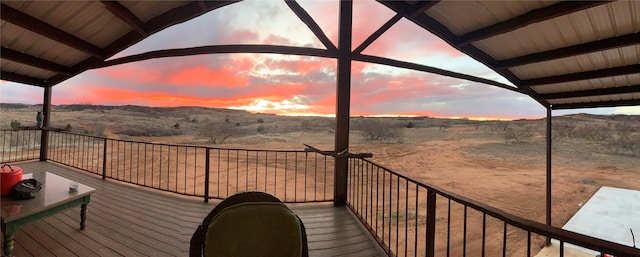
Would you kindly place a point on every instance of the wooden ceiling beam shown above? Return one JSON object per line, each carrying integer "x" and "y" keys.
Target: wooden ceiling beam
{"x": 593, "y": 92}
{"x": 18, "y": 18}
{"x": 632, "y": 102}
{"x": 538, "y": 15}
{"x": 220, "y": 49}
{"x": 311, "y": 23}
{"x": 591, "y": 74}
{"x": 10, "y": 76}
{"x": 125, "y": 15}
{"x": 600, "y": 45}
{"x": 26, "y": 59}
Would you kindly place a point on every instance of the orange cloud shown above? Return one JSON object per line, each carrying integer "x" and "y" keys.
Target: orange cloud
{"x": 202, "y": 75}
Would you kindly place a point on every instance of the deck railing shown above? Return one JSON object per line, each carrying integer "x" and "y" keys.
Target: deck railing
{"x": 405, "y": 216}
{"x": 208, "y": 172}
{"x": 20, "y": 145}
{"x": 411, "y": 218}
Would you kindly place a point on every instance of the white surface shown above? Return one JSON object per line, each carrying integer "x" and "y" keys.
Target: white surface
{"x": 609, "y": 215}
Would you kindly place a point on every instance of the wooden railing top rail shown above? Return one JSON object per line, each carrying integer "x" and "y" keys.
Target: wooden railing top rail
{"x": 592, "y": 243}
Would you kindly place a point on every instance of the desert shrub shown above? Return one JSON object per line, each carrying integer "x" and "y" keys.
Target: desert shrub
{"x": 444, "y": 125}
{"x": 625, "y": 140}
{"x": 561, "y": 130}
{"x": 411, "y": 125}
{"x": 237, "y": 124}
{"x": 306, "y": 125}
{"x": 15, "y": 124}
{"x": 375, "y": 130}
{"x": 218, "y": 132}
{"x": 176, "y": 126}
{"x": 67, "y": 127}
{"x": 260, "y": 129}
{"x": 260, "y": 120}
{"x": 149, "y": 132}
{"x": 592, "y": 132}
{"x": 518, "y": 134}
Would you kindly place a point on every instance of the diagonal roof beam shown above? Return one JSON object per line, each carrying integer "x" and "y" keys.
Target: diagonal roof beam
{"x": 23, "y": 20}
{"x": 601, "y": 45}
{"x": 378, "y": 33}
{"x": 610, "y": 72}
{"x": 125, "y": 15}
{"x": 16, "y": 56}
{"x": 313, "y": 26}
{"x": 10, "y": 76}
{"x": 439, "y": 30}
{"x": 593, "y": 92}
{"x": 542, "y": 14}
{"x": 434, "y": 70}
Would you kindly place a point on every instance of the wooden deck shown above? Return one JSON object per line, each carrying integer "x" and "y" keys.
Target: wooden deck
{"x": 127, "y": 220}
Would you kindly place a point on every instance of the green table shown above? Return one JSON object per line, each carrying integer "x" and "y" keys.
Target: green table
{"x": 54, "y": 197}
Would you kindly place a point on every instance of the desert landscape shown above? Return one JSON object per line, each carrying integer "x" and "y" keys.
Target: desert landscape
{"x": 499, "y": 163}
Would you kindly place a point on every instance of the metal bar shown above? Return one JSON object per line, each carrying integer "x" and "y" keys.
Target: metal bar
{"x": 448, "y": 227}
{"x": 484, "y": 232}
{"x": 207, "y": 162}
{"x": 548, "y": 180}
{"x": 104, "y": 160}
{"x": 504, "y": 241}
{"x": 431, "y": 223}
{"x": 464, "y": 233}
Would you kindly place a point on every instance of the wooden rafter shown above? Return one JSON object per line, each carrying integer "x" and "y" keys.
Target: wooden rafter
{"x": 600, "y": 45}
{"x": 542, "y": 14}
{"x": 378, "y": 33}
{"x": 23, "y": 20}
{"x": 593, "y": 92}
{"x": 313, "y": 26}
{"x": 584, "y": 75}
{"x": 10, "y": 76}
{"x": 632, "y": 102}
{"x": 23, "y": 58}
{"x": 125, "y": 15}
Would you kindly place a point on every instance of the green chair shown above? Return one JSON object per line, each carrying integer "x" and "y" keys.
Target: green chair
{"x": 250, "y": 224}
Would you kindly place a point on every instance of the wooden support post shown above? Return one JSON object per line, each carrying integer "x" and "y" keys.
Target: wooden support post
{"x": 46, "y": 111}
{"x": 548, "y": 198}
{"x": 343, "y": 96}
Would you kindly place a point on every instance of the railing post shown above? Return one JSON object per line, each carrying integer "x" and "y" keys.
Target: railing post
{"x": 104, "y": 159}
{"x": 206, "y": 176}
{"x": 431, "y": 223}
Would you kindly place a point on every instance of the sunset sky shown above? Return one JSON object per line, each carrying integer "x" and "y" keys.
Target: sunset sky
{"x": 294, "y": 85}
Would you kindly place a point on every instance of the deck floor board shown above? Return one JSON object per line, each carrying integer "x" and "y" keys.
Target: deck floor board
{"x": 129, "y": 220}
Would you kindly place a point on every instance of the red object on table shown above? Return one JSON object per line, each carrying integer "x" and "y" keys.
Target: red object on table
{"x": 9, "y": 177}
